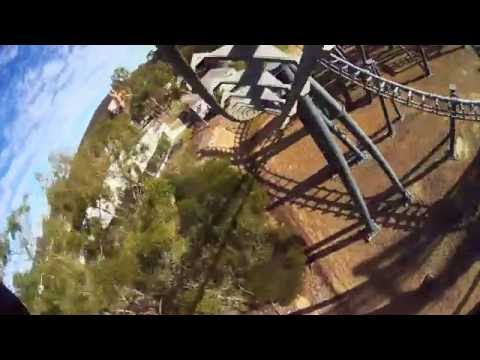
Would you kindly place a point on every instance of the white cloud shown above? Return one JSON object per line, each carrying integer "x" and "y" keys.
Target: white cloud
{"x": 8, "y": 53}
{"x": 54, "y": 103}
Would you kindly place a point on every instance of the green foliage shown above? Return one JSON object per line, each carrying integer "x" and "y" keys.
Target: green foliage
{"x": 27, "y": 285}
{"x": 4, "y": 250}
{"x": 13, "y": 219}
{"x": 232, "y": 241}
{"x": 114, "y": 136}
{"x": 239, "y": 65}
{"x": 188, "y": 50}
{"x": 77, "y": 183}
{"x": 278, "y": 279}
{"x": 149, "y": 83}
{"x": 284, "y": 48}
{"x": 176, "y": 108}
{"x": 12, "y": 229}
{"x": 69, "y": 287}
{"x": 196, "y": 238}
{"x": 210, "y": 303}
{"x": 120, "y": 76}
{"x": 61, "y": 239}
{"x": 159, "y": 155}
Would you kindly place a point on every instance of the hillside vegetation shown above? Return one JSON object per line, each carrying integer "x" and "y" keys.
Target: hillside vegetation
{"x": 196, "y": 240}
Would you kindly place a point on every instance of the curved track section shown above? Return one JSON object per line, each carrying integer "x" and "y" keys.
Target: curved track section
{"x": 462, "y": 109}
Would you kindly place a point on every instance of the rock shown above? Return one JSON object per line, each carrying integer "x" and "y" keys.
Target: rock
{"x": 301, "y": 302}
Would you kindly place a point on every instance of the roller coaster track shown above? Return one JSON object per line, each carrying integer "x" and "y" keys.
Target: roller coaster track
{"x": 462, "y": 109}
{"x": 241, "y": 111}
{"x": 317, "y": 108}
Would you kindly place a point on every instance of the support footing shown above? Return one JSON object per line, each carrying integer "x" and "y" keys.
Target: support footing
{"x": 365, "y": 156}
{"x": 409, "y": 199}
{"x": 372, "y": 231}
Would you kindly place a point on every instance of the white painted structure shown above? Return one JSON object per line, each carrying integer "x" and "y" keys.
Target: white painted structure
{"x": 115, "y": 181}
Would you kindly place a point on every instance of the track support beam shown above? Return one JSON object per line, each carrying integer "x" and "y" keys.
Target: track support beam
{"x": 363, "y": 53}
{"x": 371, "y": 64}
{"x": 452, "y": 133}
{"x": 334, "y": 110}
{"x": 307, "y": 63}
{"x": 315, "y": 123}
{"x": 426, "y": 65}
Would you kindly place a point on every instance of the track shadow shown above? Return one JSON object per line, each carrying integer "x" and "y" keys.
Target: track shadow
{"x": 467, "y": 296}
{"x": 387, "y": 208}
{"x": 412, "y": 302}
{"x": 435, "y": 51}
{"x": 414, "y": 174}
{"x": 281, "y": 144}
{"x": 359, "y": 234}
{"x": 457, "y": 214}
{"x": 312, "y": 193}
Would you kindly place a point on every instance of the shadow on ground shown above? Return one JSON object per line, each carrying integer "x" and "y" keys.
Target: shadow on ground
{"x": 388, "y": 270}
{"x": 427, "y": 227}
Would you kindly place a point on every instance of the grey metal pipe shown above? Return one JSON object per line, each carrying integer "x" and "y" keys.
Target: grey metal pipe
{"x": 373, "y": 68}
{"x": 452, "y": 132}
{"x": 397, "y": 110}
{"x": 171, "y": 55}
{"x": 314, "y": 121}
{"x": 307, "y": 63}
{"x": 426, "y": 65}
{"x": 288, "y": 77}
{"x": 390, "y": 128}
{"x": 346, "y": 141}
{"x": 363, "y": 52}
{"x": 336, "y": 111}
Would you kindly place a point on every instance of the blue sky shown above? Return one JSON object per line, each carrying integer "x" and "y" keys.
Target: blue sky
{"x": 47, "y": 97}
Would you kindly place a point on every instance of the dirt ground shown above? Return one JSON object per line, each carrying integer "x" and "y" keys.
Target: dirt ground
{"x": 420, "y": 262}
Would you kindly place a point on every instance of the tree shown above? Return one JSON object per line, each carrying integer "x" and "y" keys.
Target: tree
{"x": 153, "y": 89}
{"x": 4, "y": 250}
{"x": 197, "y": 239}
{"x": 120, "y": 76}
{"x": 13, "y": 231}
{"x": 13, "y": 220}
{"x": 78, "y": 183}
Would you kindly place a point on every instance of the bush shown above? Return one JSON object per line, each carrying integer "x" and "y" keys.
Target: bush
{"x": 195, "y": 238}
{"x": 158, "y": 157}
{"x": 279, "y": 279}
{"x": 149, "y": 82}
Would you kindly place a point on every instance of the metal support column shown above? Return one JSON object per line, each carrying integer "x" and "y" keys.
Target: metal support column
{"x": 345, "y": 92}
{"x": 397, "y": 110}
{"x": 373, "y": 68}
{"x": 406, "y": 51}
{"x": 314, "y": 121}
{"x": 426, "y": 65}
{"x": 336, "y": 111}
{"x": 359, "y": 155}
{"x": 339, "y": 50}
{"x": 363, "y": 52}
{"x": 452, "y": 133}
{"x": 390, "y": 128}
{"x": 307, "y": 63}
